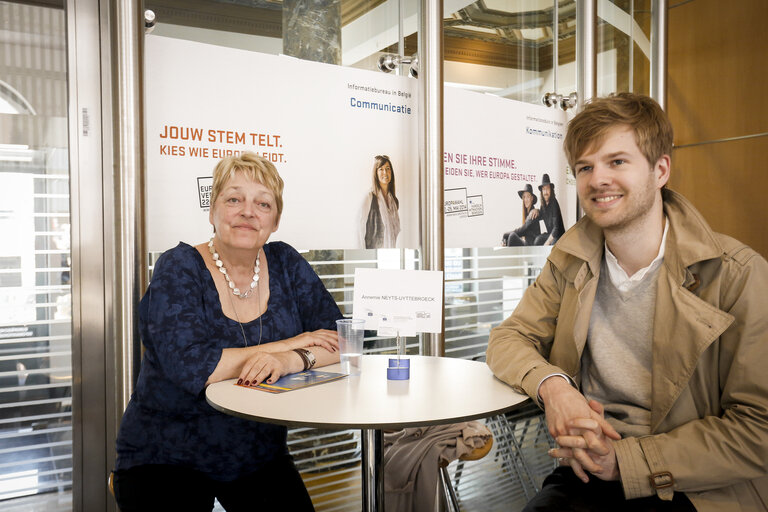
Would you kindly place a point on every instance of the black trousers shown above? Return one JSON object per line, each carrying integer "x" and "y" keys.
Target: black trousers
{"x": 564, "y": 492}
{"x": 278, "y": 486}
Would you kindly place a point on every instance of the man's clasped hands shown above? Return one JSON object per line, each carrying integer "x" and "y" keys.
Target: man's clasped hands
{"x": 579, "y": 427}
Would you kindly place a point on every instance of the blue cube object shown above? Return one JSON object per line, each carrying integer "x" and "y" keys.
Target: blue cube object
{"x": 399, "y": 369}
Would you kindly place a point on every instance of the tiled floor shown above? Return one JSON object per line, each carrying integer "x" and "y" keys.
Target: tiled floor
{"x": 50, "y": 502}
{"x": 502, "y": 481}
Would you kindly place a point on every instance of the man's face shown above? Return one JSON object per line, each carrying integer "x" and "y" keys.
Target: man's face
{"x": 617, "y": 186}
{"x": 546, "y": 191}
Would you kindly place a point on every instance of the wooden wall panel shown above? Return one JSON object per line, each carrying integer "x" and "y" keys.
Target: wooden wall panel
{"x": 728, "y": 183}
{"x": 717, "y": 83}
{"x": 718, "y": 69}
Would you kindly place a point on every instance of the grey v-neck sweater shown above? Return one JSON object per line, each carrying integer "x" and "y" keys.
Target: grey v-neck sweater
{"x": 617, "y": 360}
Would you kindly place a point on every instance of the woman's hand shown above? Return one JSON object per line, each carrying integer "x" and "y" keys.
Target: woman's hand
{"x": 324, "y": 338}
{"x": 268, "y": 367}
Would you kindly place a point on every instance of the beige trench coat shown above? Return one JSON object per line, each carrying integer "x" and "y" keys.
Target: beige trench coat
{"x": 709, "y": 415}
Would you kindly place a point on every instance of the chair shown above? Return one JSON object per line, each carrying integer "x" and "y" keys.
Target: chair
{"x": 512, "y": 452}
{"x": 512, "y": 473}
{"x": 449, "y": 492}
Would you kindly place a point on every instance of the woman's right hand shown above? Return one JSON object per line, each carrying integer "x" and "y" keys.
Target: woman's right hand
{"x": 324, "y": 338}
{"x": 266, "y": 367}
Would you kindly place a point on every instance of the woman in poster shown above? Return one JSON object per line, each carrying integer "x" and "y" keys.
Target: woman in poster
{"x": 527, "y": 233}
{"x": 380, "y": 216}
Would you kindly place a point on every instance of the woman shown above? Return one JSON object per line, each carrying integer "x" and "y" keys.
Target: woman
{"x": 235, "y": 306}
{"x": 527, "y": 233}
{"x": 380, "y": 218}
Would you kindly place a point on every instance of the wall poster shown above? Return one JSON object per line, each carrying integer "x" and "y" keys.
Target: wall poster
{"x": 323, "y": 127}
{"x": 505, "y": 172}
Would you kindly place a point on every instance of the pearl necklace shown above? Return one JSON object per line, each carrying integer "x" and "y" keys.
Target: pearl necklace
{"x": 235, "y": 290}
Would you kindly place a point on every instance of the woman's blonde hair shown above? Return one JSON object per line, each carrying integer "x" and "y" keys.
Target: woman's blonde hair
{"x": 650, "y": 124}
{"x": 255, "y": 168}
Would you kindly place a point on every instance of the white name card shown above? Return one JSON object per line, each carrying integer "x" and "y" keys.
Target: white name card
{"x": 399, "y": 301}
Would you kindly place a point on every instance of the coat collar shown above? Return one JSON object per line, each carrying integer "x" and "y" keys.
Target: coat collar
{"x": 585, "y": 242}
{"x": 690, "y": 240}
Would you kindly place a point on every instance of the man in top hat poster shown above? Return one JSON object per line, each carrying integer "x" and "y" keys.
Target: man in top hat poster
{"x": 549, "y": 212}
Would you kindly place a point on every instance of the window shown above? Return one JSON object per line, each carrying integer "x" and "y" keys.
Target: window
{"x": 35, "y": 318}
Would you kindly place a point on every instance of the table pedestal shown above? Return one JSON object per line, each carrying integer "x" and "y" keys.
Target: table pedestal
{"x": 373, "y": 470}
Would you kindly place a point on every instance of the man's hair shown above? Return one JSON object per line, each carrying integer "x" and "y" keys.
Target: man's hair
{"x": 255, "y": 168}
{"x": 650, "y": 124}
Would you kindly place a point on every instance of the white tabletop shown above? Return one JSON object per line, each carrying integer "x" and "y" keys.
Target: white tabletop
{"x": 440, "y": 390}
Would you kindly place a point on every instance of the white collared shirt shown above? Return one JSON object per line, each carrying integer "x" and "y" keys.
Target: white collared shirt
{"x": 619, "y": 277}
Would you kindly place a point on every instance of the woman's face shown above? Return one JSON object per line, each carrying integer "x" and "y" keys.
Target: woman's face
{"x": 244, "y": 214}
{"x": 384, "y": 174}
{"x": 527, "y": 200}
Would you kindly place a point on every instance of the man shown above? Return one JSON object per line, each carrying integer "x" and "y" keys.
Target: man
{"x": 645, "y": 337}
{"x": 550, "y": 214}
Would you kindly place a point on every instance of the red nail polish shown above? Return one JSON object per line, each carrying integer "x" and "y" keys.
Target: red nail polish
{"x": 239, "y": 381}
{"x": 247, "y": 383}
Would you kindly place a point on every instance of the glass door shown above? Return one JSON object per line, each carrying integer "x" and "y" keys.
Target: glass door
{"x": 521, "y": 50}
{"x": 526, "y": 51}
{"x": 35, "y": 297}
{"x": 507, "y": 47}
{"x": 348, "y": 33}
{"x": 624, "y": 46}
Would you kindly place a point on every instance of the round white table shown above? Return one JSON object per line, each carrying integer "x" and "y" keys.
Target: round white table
{"x": 441, "y": 390}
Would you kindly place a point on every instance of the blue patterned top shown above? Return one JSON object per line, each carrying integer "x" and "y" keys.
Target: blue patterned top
{"x": 184, "y": 331}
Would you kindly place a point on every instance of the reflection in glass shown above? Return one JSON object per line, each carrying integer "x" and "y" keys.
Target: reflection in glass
{"x": 35, "y": 311}
{"x": 506, "y": 47}
{"x": 347, "y": 32}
